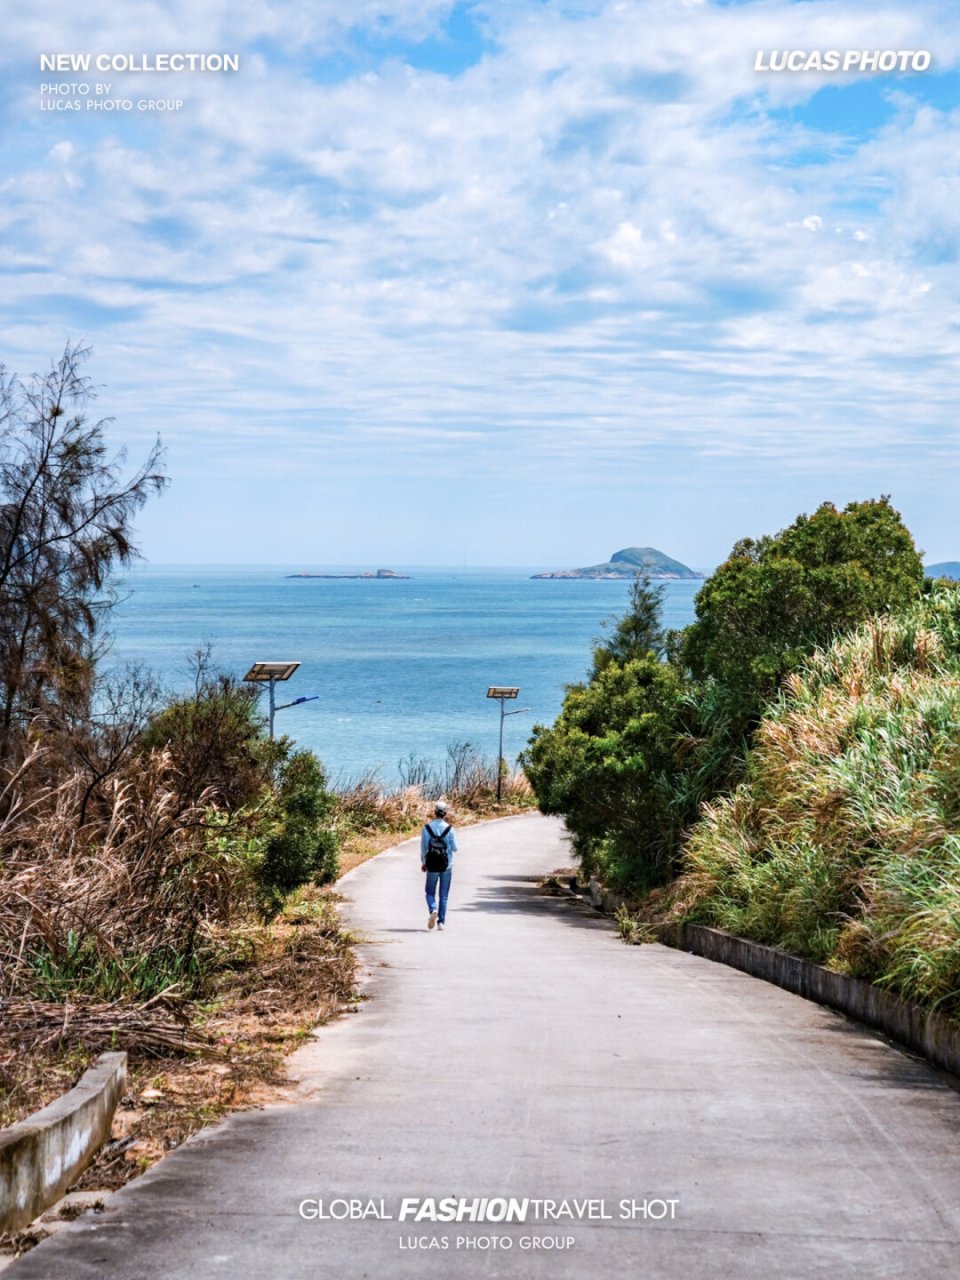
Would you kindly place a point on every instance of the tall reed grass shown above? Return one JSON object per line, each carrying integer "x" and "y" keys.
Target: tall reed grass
{"x": 843, "y": 842}
{"x": 125, "y": 905}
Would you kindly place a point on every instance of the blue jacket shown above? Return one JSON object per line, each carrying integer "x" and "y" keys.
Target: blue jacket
{"x": 436, "y": 825}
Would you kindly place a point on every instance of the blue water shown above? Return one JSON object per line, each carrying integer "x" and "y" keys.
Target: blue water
{"x": 400, "y": 667}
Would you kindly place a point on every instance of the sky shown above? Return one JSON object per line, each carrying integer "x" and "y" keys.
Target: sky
{"x": 498, "y": 282}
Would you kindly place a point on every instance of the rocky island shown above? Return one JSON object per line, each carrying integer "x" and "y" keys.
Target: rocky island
{"x": 631, "y": 562}
{"x": 381, "y": 573}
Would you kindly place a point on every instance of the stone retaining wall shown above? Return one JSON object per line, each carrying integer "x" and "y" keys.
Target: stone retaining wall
{"x": 41, "y": 1156}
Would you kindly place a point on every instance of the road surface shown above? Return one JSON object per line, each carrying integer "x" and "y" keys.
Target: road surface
{"x": 527, "y": 1053}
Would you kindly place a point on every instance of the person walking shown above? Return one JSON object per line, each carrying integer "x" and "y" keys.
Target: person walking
{"x": 438, "y": 844}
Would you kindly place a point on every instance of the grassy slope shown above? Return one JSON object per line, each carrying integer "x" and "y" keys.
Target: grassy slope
{"x": 843, "y": 844}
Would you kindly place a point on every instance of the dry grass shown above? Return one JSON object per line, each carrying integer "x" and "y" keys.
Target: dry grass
{"x": 121, "y": 902}
{"x": 373, "y": 817}
{"x": 154, "y": 1029}
{"x": 368, "y": 804}
{"x": 299, "y": 971}
{"x": 466, "y": 780}
{"x": 133, "y": 881}
{"x": 189, "y": 1063}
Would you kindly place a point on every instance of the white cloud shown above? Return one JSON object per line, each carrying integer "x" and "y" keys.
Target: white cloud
{"x": 590, "y": 239}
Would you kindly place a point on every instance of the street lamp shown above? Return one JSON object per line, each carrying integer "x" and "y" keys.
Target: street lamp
{"x": 270, "y": 673}
{"x": 503, "y": 694}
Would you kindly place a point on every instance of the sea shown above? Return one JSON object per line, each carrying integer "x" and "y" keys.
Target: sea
{"x": 395, "y": 668}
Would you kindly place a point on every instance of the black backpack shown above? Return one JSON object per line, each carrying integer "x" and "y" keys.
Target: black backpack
{"x": 438, "y": 856}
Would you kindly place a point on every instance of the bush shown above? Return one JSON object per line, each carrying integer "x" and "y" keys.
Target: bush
{"x": 301, "y": 843}
{"x": 215, "y": 740}
{"x": 606, "y": 765}
{"x": 281, "y": 811}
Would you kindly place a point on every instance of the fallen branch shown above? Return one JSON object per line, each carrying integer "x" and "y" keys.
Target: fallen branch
{"x": 29, "y": 1024}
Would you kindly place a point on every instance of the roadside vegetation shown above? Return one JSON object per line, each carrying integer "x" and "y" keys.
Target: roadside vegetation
{"x": 167, "y": 872}
{"x": 665, "y": 722}
{"x": 842, "y": 843}
{"x": 164, "y": 868}
{"x": 786, "y": 767}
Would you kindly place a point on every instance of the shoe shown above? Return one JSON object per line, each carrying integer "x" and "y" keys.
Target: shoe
{"x": 440, "y": 926}
{"x": 433, "y": 920}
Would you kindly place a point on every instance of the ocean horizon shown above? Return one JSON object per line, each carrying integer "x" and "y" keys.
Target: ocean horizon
{"x": 399, "y": 667}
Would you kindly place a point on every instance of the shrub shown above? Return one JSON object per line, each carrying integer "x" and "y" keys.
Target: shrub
{"x": 301, "y": 842}
{"x": 215, "y": 739}
{"x": 606, "y": 766}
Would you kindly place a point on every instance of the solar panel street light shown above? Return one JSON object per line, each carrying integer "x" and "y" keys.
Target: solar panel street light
{"x": 502, "y": 693}
{"x": 270, "y": 673}
{"x": 263, "y": 671}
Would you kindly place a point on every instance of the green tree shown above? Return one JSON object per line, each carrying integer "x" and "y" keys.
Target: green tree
{"x": 65, "y": 524}
{"x": 776, "y": 599}
{"x": 606, "y": 765}
{"x": 607, "y": 762}
{"x": 638, "y": 631}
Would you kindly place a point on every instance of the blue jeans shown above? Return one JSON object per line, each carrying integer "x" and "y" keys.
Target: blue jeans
{"x": 441, "y": 878}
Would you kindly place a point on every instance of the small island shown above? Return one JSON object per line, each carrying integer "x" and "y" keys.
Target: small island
{"x": 631, "y": 562}
{"x": 379, "y": 575}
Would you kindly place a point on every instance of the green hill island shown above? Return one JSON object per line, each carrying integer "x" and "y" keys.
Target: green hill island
{"x": 631, "y": 562}
{"x": 945, "y": 569}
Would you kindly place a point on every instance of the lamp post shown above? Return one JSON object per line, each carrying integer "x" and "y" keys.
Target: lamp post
{"x": 269, "y": 673}
{"x": 503, "y": 694}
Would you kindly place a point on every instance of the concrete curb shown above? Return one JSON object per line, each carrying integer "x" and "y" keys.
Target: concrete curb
{"x": 41, "y": 1156}
{"x": 925, "y": 1031}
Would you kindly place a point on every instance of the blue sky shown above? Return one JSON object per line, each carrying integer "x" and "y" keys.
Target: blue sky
{"x": 501, "y": 282}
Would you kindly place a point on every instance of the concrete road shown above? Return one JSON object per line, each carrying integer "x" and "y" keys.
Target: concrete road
{"x": 527, "y": 1053}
